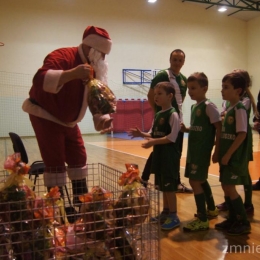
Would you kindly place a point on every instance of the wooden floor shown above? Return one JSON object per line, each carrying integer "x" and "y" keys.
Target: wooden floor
{"x": 176, "y": 244}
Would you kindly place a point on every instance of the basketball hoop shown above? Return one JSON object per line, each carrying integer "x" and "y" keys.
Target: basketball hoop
{"x": 1, "y": 44}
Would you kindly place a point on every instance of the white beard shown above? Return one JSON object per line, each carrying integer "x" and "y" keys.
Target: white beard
{"x": 99, "y": 65}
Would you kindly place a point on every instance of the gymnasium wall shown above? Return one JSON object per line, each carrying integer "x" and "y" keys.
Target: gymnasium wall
{"x": 143, "y": 36}
{"x": 253, "y": 53}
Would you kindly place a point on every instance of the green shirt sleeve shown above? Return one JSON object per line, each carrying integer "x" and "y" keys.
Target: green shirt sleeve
{"x": 159, "y": 77}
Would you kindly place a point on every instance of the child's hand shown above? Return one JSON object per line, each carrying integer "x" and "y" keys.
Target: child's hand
{"x": 256, "y": 125}
{"x": 183, "y": 128}
{"x": 134, "y": 132}
{"x": 215, "y": 157}
{"x": 225, "y": 159}
{"x": 148, "y": 144}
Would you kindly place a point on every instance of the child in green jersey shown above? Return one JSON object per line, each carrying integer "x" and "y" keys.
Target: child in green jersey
{"x": 166, "y": 156}
{"x": 204, "y": 131}
{"x": 233, "y": 154}
{"x": 248, "y": 101}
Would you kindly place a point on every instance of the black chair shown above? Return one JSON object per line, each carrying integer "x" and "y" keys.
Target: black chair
{"x": 37, "y": 167}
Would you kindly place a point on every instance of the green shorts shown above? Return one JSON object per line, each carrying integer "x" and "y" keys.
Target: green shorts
{"x": 227, "y": 176}
{"x": 164, "y": 183}
{"x": 196, "y": 172}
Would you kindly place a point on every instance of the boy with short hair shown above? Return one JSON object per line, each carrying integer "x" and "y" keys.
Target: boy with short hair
{"x": 204, "y": 130}
{"x": 233, "y": 155}
{"x": 172, "y": 74}
{"x": 166, "y": 156}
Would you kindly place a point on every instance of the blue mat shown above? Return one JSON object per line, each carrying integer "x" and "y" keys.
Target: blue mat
{"x": 125, "y": 136}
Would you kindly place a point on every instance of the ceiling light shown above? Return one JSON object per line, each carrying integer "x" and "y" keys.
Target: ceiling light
{"x": 222, "y": 9}
{"x": 152, "y": 1}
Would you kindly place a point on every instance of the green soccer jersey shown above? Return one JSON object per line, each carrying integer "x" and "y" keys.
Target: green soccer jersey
{"x": 166, "y": 157}
{"x": 238, "y": 163}
{"x": 201, "y": 134}
{"x": 247, "y": 103}
{"x": 182, "y": 86}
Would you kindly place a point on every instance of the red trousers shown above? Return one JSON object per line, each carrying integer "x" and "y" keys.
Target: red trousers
{"x": 59, "y": 145}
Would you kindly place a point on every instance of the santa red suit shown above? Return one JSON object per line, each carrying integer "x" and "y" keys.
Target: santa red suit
{"x": 56, "y": 109}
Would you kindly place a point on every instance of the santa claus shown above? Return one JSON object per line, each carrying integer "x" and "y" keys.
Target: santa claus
{"x": 58, "y": 101}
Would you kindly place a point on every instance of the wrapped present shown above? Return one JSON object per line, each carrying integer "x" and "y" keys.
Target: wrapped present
{"x": 101, "y": 102}
{"x": 130, "y": 176}
{"x": 16, "y": 194}
{"x": 132, "y": 205}
{"x": 50, "y": 208}
{"x": 101, "y": 99}
{"x": 67, "y": 242}
{"x": 97, "y": 207}
{"x": 17, "y": 202}
{"x": 17, "y": 178}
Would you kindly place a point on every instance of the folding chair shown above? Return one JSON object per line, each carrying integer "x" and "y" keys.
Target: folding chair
{"x": 36, "y": 168}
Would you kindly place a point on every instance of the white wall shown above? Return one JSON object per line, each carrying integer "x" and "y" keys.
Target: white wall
{"x": 253, "y": 51}
{"x": 143, "y": 36}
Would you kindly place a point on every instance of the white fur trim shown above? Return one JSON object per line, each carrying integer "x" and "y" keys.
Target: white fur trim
{"x": 38, "y": 111}
{"x": 35, "y": 110}
{"x": 99, "y": 43}
{"x": 77, "y": 173}
{"x": 54, "y": 179}
{"x": 51, "y": 80}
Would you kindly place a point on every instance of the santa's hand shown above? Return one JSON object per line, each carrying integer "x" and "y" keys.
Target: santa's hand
{"x": 84, "y": 72}
{"x": 107, "y": 126}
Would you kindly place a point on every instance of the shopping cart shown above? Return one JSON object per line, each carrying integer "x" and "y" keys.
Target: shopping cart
{"x": 116, "y": 228}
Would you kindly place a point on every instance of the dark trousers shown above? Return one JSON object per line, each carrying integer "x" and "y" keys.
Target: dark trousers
{"x": 147, "y": 168}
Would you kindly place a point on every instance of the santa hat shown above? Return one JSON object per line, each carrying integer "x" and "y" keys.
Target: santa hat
{"x": 97, "y": 38}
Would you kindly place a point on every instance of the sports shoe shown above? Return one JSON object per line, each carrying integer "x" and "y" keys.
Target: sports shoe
{"x": 160, "y": 218}
{"x": 239, "y": 228}
{"x": 249, "y": 209}
{"x": 170, "y": 223}
{"x": 210, "y": 213}
{"x": 225, "y": 225}
{"x": 196, "y": 225}
{"x": 256, "y": 186}
{"x": 183, "y": 189}
{"x": 222, "y": 207}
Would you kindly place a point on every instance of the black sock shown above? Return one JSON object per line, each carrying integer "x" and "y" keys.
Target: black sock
{"x": 208, "y": 195}
{"x": 201, "y": 206}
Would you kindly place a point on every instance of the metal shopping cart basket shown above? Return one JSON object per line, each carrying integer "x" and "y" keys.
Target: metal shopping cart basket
{"x": 117, "y": 227}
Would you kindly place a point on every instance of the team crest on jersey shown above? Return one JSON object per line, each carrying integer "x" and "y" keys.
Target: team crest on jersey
{"x": 230, "y": 120}
{"x": 183, "y": 83}
{"x": 198, "y": 112}
{"x": 162, "y": 121}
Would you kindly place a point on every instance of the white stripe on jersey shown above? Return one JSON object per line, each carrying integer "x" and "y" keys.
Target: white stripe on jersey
{"x": 177, "y": 89}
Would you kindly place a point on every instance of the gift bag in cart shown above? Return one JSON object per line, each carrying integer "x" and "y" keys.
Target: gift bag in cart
{"x": 109, "y": 225}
